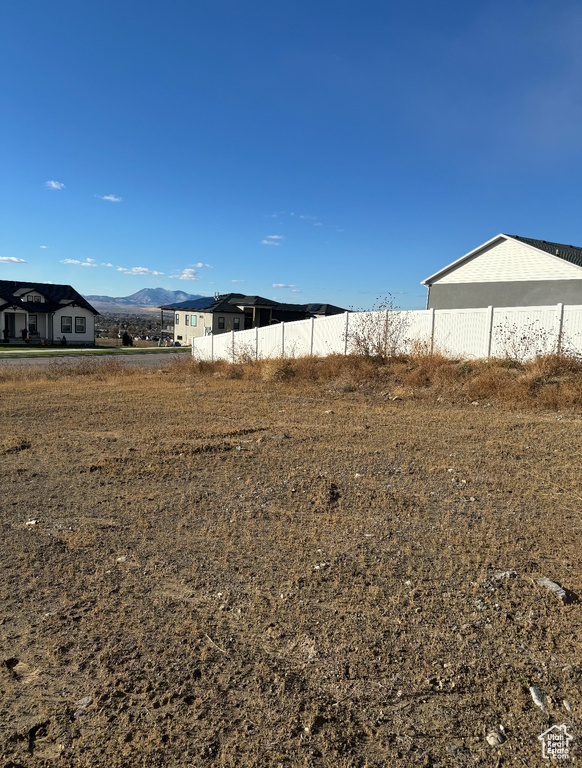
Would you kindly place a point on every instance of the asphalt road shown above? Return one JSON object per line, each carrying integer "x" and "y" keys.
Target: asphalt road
{"x": 138, "y": 360}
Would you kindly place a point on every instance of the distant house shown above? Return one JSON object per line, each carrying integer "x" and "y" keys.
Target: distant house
{"x": 236, "y": 312}
{"x": 45, "y": 312}
{"x": 509, "y": 271}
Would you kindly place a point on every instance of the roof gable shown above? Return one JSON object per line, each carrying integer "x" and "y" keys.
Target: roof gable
{"x": 512, "y": 258}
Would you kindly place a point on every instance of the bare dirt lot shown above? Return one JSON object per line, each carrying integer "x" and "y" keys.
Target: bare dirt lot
{"x": 204, "y": 568}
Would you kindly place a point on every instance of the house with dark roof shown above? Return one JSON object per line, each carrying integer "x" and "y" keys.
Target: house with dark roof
{"x": 45, "y": 312}
{"x": 236, "y": 312}
{"x": 509, "y": 271}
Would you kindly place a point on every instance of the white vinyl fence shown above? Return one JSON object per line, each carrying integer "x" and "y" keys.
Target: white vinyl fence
{"x": 516, "y": 332}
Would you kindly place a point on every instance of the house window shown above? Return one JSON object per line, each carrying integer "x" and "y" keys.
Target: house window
{"x": 236, "y": 324}
{"x": 187, "y": 320}
{"x": 38, "y": 298}
{"x": 221, "y": 323}
{"x": 32, "y": 323}
{"x": 66, "y": 324}
{"x": 80, "y": 324}
{"x": 177, "y": 318}
{"x": 193, "y": 321}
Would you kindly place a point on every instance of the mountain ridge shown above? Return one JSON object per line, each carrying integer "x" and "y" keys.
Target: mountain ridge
{"x": 146, "y": 297}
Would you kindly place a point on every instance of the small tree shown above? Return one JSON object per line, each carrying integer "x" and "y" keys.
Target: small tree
{"x": 126, "y": 340}
{"x": 379, "y": 332}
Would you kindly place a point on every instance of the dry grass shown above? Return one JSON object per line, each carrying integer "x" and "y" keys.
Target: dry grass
{"x": 550, "y": 382}
{"x": 277, "y": 564}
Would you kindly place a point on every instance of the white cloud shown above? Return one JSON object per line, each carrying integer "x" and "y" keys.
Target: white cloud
{"x": 43, "y": 246}
{"x": 200, "y": 265}
{"x": 109, "y": 264}
{"x": 295, "y": 290}
{"x": 237, "y": 281}
{"x": 86, "y": 263}
{"x": 186, "y": 274}
{"x": 111, "y": 198}
{"x": 54, "y": 185}
{"x": 138, "y": 271}
{"x": 284, "y": 285}
{"x": 272, "y": 240}
{"x": 12, "y": 260}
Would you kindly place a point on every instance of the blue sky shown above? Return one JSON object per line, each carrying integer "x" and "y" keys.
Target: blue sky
{"x": 304, "y": 151}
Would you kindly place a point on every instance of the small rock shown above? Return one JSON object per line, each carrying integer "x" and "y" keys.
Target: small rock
{"x": 121, "y": 559}
{"x": 475, "y": 402}
{"x": 495, "y": 738}
{"x": 498, "y": 575}
{"x": 538, "y": 697}
{"x": 357, "y": 476}
{"x": 328, "y": 412}
{"x": 567, "y": 705}
{"x": 555, "y": 588}
{"x": 32, "y": 522}
{"x": 82, "y": 704}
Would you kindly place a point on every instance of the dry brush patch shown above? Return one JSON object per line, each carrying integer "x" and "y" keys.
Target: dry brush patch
{"x": 248, "y": 569}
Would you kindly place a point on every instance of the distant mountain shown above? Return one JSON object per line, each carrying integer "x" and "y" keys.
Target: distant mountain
{"x": 147, "y": 297}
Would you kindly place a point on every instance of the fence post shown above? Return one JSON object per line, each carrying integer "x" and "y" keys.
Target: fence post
{"x": 346, "y": 333}
{"x": 232, "y": 343}
{"x": 560, "y": 323}
{"x": 312, "y": 331}
{"x": 282, "y": 339}
{"x": 257, "y": 342}
{"x": 211, "y": 347}
{"x": 432, "y": 318}
{"x": 490, "y": 330}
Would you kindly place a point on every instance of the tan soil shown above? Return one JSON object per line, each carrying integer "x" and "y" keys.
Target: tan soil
{"x": 238, "y": 573}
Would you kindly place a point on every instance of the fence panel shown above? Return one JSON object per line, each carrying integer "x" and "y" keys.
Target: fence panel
{"x": 298, "y": 338}
{"x": 461, "y": 332}
{"x": 202, "y": 348}
{"x": 270, "y": 341}
{"x": 245, "y": 345}
{"x": 329, "y": 335}
{"x": 572, "y": 330}
{"x": 417, "y": 330}
{"x": 524, "y": 332}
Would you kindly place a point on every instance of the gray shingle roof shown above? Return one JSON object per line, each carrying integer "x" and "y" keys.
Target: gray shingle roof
{"x": 226, "y": 303}
{"x": 53, "y": 293}
{"x": 571, "y": 253}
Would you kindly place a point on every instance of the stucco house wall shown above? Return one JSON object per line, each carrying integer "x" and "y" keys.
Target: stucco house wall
{"x": 184, "y": 333}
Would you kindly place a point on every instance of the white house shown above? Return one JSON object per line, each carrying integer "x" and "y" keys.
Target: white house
{"x": 45, "y": 312}
{"x": 509, "y": 271}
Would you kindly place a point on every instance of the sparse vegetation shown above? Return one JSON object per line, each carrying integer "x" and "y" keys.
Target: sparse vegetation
{"x": 300, "y": 562}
